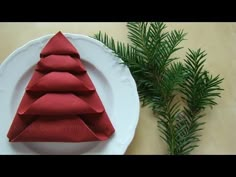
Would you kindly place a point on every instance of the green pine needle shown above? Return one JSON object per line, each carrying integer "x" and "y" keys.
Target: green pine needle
{"x": 161, "y": 79}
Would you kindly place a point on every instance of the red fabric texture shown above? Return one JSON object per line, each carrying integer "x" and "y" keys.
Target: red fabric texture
{"x": 60, "y": 103}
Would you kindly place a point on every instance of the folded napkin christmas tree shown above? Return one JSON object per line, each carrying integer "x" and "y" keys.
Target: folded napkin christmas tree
{"x": 60, "y": 103}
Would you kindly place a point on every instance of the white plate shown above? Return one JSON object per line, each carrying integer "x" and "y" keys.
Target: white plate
{"x": 113, "y": 81}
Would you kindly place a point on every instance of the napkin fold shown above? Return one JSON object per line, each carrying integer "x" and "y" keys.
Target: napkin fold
{"x": 59, "y": 45}
{"x": 60, "y": 103}
{"x": 60, "y": 63}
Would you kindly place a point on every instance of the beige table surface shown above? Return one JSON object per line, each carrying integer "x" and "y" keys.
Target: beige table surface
{"x": 218, "y": 39}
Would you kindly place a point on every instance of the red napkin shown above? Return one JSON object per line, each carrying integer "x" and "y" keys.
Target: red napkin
{"x": 60, "y": 103}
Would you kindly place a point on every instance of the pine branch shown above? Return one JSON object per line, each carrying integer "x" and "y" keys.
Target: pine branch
{"x": 166, "y": 124}
{"x": 199, "y": 92}
{"x": 121, "y": 50}
{"x": 160, "y": 79}
{"x": 146, "y": 38}
{"x": 138, "y": 67}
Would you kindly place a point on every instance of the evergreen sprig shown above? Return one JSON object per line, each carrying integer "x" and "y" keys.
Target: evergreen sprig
{"x": 178, "y": 93}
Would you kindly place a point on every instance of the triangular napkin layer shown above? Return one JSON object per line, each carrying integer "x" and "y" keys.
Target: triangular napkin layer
{"x": 59, "y": 45}
{"x": 59, "y": 82}
{"x": 65, "y": 129}
{"x": 56, "y": 104}
{"x": 60, "y": 63}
